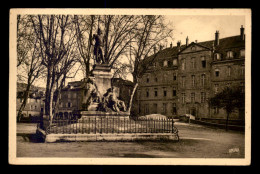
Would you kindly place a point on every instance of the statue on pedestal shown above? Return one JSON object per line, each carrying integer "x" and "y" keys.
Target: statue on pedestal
{"x": 98, "y": 47}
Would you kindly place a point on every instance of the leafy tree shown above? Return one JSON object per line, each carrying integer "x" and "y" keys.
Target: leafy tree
{"x": 229, "y": 99}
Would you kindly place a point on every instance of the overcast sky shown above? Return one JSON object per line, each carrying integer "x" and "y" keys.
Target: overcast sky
{"x": 203, "y": 28}
{"x": 200, "y": 28}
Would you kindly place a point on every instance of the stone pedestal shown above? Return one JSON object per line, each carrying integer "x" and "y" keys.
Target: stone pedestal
{"x": 99, "y": 114}
{"x": 102, "y": 75}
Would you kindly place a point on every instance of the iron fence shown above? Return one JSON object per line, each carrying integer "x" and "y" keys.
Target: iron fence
{"x": 99, "y": 125}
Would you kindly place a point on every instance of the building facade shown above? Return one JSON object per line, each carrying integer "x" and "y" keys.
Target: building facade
{"x": 183, "y": 78}
{"x": 35, "y": 102}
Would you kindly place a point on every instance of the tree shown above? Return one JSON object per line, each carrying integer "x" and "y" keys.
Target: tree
{"x": 57, "y": 40}
{"x": 229, "y": 99}
{"x": 151, "y": 31}
{"x": 119, "y": 31}
{"x": 28, "y": 58}
{"x": 84, "y": 26}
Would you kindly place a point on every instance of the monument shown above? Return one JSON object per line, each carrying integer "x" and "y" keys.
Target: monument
{"x": 100, "y": 99}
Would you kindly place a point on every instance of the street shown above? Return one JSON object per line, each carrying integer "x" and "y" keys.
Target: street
{"x": 196, "y": 141}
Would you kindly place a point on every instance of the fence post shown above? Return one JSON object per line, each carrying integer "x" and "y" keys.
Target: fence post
{"x": 95, "y": 125}
{"x": 172, "y": 126}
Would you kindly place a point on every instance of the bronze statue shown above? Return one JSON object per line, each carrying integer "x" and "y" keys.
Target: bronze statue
{"x": 110, "y": 102}
{"x": 98, "y": 47}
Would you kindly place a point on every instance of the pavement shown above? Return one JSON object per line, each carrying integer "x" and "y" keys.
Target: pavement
{"x": 196, "y": 141}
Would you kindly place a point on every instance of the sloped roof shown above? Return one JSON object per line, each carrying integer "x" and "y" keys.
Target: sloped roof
{"x": 233, "y": 43}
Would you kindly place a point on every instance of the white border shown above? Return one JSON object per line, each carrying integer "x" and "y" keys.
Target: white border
{"x": 128, "y": 161}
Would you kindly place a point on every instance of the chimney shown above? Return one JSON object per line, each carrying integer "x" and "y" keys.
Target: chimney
{"x": 196, "y": 41}
{"x": 179, "y": 45}
{"x": 187, "y": 41}
{"x": 171, "y": 45}
{"x": 154, "y": 49}
{"x": 161, "y": 47}
{"x": 217, "y": 38}
{"x": 242, "y": 33}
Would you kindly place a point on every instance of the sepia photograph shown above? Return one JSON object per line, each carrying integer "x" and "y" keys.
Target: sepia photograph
{"x": 130, "y": 86}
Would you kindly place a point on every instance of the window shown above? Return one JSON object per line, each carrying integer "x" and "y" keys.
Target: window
{"x": 193, "y": 80}
{"x": 203, "y": 97}
{"x": 146, "y": 108}
{"x": 36, "y": 101}
{"x": 170, "y": 63}
{"x": 174, "y": 109}
{"x": 147, "y": 93}
{"x": 203, "y": 62}
{"x": 193, "y": 48}
{"x": 183, "y": 98}
{"x": 21, "y": 100}
{"x": 35, "y": 107}
{"x": 228, "y": 84}
{"x": 217, "y": 56}
{"x": 174, "y": 93}
{"x": 155, "y": 108}
{"x": 216, "y": 110}
{"x": 69, "y": 104}
{"x": 183, "y": 81}
{"x": 242, "y": 53}
{"x": 175, "y": 62}
{"x": 203, "y": 78}
{"x": 217, "y": 72}
{"x": 192, "y": 97}
{"x": 229, "y": 71}
{"x": 147, "y": 80}
{"x": 193, "y": 63}
{"x": 75, "y": 95}
{"x": 230, "y": 54}
{"x": 164, "y": 111}
{"x": 164, "y": 92}
{"x": 216, "y": 88}
{"x": 183, "y": 64}
{"x": 155, "y": 92}
{"x": 174, "y": 76}
{"x": 165, "y": 63}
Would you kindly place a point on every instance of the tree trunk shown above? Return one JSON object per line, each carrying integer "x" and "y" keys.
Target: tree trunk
{"x": 131, "y": 98}
{"x": 227, "y": 121}
{"x": 25, "y": 98}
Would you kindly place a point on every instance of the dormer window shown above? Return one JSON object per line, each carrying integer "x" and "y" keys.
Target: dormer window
{"x": 217, "y": 56}
{"x": 165, "y": 63}
{"x": 174, "y": 62}
{"x": 193, "y": 48}
{"x": 230, "y": 54}
{"x": 217, "y": 72}
{"x": 203, "y": 62}
{"x": 242, "y": 53}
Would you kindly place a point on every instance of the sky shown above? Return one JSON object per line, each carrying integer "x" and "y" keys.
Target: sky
{"x": 200, "y": 28}
{"x": 203, "y": 28}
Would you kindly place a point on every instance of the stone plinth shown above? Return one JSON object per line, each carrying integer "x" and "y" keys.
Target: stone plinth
{"x": 99, "y": 114}
{"x": 102, "y": 74}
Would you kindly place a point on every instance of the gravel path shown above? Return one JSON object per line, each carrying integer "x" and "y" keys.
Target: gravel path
{"x": 196, "y": 141}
